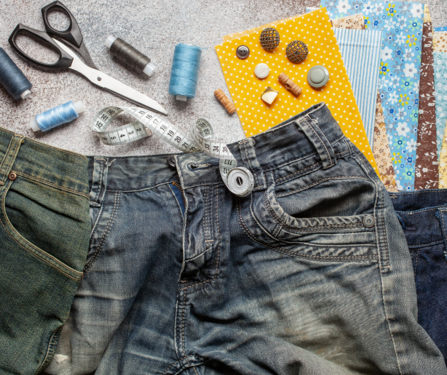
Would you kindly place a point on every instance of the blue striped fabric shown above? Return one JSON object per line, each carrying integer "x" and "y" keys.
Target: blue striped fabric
{"x": 443, "y": 28}
{"x": 361, "y": 51}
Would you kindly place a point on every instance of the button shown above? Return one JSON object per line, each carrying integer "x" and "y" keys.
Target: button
{"x": 262, "y": 70}
{"x": 242, "y": 52}
{"x": 171, "y": 161}
{"x": 12, "y": 176}
{"x": 369, "y": 221}
{"x": 318, "y": 76}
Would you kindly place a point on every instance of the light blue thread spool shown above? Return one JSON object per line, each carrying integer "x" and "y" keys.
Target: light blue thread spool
{"x": 57, "y": 116}
{"x": 185, "y": 71}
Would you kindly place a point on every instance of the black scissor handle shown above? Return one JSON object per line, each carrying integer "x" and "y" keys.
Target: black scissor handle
{"x": 73, "y": 34}
{"x": 65, "y": 60}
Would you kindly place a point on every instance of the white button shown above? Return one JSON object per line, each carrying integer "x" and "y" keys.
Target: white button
{"x": 262, "y": 70}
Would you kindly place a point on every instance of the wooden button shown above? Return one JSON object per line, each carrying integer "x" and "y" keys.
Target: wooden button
{"x": 12, "y": 176}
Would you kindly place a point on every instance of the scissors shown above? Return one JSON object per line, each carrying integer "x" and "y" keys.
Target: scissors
{"x": 72, "y": 37}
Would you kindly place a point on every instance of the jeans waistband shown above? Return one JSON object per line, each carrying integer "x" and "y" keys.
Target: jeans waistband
{"x": 308, "y": 141}
{"x": 423, "y": 215}
{"x": 43, "y": 163}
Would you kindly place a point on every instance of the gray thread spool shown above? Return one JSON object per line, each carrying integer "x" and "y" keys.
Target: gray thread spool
{"x": 129, "y": 55}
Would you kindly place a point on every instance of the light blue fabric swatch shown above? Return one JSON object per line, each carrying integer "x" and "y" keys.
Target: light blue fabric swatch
{"x": 401, "y": 24}
{"x": 440, "y": 67}
{"x": 360, "y": 50}
{"x": 443, "y": 28}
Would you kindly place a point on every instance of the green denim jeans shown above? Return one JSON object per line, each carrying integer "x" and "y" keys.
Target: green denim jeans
{"x": 44, "y": 239}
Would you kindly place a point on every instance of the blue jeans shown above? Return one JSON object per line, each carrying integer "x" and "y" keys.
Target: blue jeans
{"x": 423, "y": 215}
{"x": 310, "y": 274}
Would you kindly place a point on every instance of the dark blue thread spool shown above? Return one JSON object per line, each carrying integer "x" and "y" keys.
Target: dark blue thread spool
{"x": 12, "y": 78}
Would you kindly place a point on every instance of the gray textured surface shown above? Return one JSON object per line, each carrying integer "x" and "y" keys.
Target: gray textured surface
{"x": 154, "y": 27}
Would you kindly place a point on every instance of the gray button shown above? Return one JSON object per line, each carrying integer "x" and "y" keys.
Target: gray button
{"x": 369, "y": 221}
{"x": 318, "y": 76}
{"x": 242, "y": 52}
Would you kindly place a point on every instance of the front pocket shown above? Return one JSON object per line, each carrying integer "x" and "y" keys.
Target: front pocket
{"x": 333, "y": 218}
{"x": 51, "y": 224}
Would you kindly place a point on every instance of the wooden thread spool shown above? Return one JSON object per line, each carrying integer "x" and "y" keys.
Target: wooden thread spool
{"x": 289, "y": 84}
{"x": 229, "y": 106}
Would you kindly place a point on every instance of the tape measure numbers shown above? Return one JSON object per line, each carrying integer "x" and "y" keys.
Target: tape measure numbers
{"x": 239, "y": 180}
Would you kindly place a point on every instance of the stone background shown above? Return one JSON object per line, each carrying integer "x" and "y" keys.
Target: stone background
{"x": 154, "y": 27}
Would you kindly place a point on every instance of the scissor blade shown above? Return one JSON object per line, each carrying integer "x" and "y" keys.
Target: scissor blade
{"x": 111, "y": 84}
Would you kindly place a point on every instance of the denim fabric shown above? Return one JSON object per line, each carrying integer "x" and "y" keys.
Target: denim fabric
{"x": 310, "y": 274}
{"x": 44, "y": 240}
{"x": 423, "y": 215}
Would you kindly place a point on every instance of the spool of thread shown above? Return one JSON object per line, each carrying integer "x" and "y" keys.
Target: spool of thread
{"x": 129, "y": 55}
{"x": 57, "y": 116}
{"x": 229, "y": 106}
{"x": 12, "y": 78}
{"x": 185, "y": 71}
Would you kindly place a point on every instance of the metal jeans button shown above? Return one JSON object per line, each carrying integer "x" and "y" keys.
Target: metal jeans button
{"x": 12, "y": 176}
{"x": 369, "y": 221}
{"x": 171, "y": 161}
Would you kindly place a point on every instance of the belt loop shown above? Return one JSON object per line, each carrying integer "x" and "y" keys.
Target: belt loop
{"x": 99, "y": 180}
{"x": 316, "y": 136}
{"x": 10, "y": 157}
{"x": 250, "y": 160}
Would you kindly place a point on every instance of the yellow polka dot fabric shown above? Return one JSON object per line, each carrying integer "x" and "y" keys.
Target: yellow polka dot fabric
{"x": 256, "y": 116}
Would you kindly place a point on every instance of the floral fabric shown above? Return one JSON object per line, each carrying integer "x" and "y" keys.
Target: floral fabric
{"x": 440, "y": 41}
{"x": 356, "y": 21}
{"x": 443, "y": 164}
{"x": 401, "y": 24}
{"x": 427, "y": 176}
{"x": 382, "y": 152}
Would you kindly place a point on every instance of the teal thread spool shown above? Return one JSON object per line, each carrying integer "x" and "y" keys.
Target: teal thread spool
{"x": 185, "y": 71}
{"x": 57, "y": 116}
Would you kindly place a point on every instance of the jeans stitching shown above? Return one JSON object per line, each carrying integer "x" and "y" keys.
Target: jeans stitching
{"x": 360, "y": 162}
{"x": 218, "y": 248}
{"x": 426, "y": 244}
{"x": 98, "y": 190}
{"x": 340, "y": 154}
{"x": 251, "y": 167}
{"x": 104, "y": 236}
{"x": 38, "y": 255}
{"x": 298, "y": 172}
{"x": 37, "y": 252}
{"x": 295, "y": 255}
{"x": 283, "y": 223}
{"x": 443, "y": 231}
{"x": 50, "y": 350}
{"x": 48, "y": 183}
{"x": 3, "y": 178}
{"x": 324, "y": 145}
{"x": 319, "y": 182}
{"x": 57, "y": 149}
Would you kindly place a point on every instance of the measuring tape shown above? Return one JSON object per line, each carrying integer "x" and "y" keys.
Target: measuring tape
{"x": 239, "y": 180}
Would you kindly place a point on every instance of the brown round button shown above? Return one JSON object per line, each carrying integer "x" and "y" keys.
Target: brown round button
{"x": 12, "y": 176}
